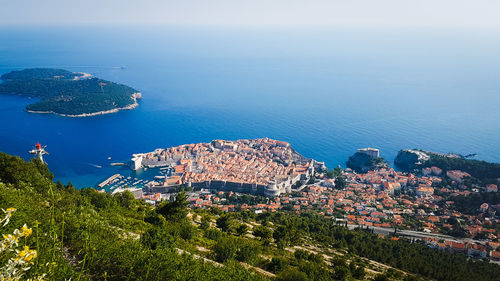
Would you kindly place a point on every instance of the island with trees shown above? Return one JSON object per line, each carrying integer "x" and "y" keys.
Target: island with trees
{"x": 68, "y": 93}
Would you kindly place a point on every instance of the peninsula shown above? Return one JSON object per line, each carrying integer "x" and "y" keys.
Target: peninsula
{"x": 69, "y": 93}
{"x": 258, "y": 166}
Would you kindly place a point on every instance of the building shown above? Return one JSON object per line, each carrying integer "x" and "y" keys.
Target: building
{"x": 457, "y": 175}
{"x": 495, "y": 255}
{"x": 426, "y": 171}
{"x": 424, "y": 191}
{"x": 477, "y": 251}
{"x": 328, "y": 183}
{"x": 484, "y": 207}
{"x": 491, "y": 188}
{"x": 436, "y": 171}
{"x": 372, "y": 152}
{"x": 137, "y": 192}
{"x": 136, "y": 161}
{"x": 390, "y": 187}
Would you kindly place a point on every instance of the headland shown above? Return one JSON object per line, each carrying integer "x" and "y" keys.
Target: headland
{"x": 258, "y": 166}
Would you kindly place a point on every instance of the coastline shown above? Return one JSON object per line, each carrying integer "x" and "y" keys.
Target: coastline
{"x": 135, "y": 97}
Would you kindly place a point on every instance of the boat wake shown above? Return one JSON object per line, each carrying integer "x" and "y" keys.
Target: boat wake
{"x": 94, "y": 165}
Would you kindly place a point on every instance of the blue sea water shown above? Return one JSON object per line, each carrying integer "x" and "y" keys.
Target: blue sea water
{"x": 326, "y": 91}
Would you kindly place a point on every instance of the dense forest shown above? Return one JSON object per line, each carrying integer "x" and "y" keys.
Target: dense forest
{"x": 63, "y": 92}
{"x": 411, "y": 257}
{"x": 88, "y": 235}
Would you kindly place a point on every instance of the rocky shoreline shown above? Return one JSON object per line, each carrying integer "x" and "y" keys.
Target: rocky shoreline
{"x": 135, "y": 97}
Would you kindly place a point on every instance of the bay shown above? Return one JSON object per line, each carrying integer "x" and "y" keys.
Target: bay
{"x": 327, "y": 91}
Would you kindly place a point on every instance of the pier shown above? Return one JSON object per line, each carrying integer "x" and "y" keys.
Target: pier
{"x": 108, "y": 180}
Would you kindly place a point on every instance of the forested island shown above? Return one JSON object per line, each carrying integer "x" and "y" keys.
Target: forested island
{"x": 68, "y": 93}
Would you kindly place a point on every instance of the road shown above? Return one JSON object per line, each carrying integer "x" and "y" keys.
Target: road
{"x": 415, "y": 234}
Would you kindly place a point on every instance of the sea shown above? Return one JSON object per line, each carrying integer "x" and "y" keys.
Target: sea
{"x": 326, "y": 90}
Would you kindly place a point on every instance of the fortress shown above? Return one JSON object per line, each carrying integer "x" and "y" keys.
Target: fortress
{"x": 260, "y": 166}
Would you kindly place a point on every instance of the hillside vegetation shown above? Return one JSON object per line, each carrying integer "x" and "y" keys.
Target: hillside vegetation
{"x": 87, "y": 235}
{"x": 481, "y": 170}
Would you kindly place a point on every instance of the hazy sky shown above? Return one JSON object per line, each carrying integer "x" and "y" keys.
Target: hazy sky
{"x": 473, "y": 13}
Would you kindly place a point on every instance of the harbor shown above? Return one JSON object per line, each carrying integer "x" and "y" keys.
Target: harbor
{"x": 129, "y": 179}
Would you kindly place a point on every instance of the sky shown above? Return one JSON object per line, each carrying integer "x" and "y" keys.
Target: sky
{"x": 433, "y": 13}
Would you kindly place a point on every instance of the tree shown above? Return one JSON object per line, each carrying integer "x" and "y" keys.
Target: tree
{"x": 225, "y": 249}
{"x": 247, "y": 251}
{"x": 42, "y": 168}
{"x": 337, "y": 171}
{"x": 187, "y": 231}
{"x": 226, "y": 223}
{"x": 300, "y": 254}
{"x": 315, "y": 258}
{"x": 381, "y": 277}
{"x": 314, "y": 271}
{"x": 156, "y": 237}
{"x": 205, "y": 222}
{"x": 242, "y": 229}
{"x": 357, "y": 269}
{"x": 359, "y": 273}
{"x": 98, "y": 199}
{"x": 125, "y": 199}
{"x": 70, "y": 187}
{"x": 277, "y": 264}
{"x": 340, "y": 182}
{"x": 176, "y": 210}
{"x": 213, "y": 234}
{"x": 341, "y": 272}
{"x": 263, "y": 232}
{"x": 282, "y": 236}
{"x": 291, "y": 275}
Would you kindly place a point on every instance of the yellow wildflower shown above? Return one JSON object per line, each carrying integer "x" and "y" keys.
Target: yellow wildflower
{"x": 20, "y": 255}
{"x": 30, "y": 254}
{"x": 26, "y": 254}
{"x": 25, "y": 231}
{"x": 23, "y": 253}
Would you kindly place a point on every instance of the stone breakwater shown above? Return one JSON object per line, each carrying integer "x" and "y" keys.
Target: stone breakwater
{"x": 134, "y": 97}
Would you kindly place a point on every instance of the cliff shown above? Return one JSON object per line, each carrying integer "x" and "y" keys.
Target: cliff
{"x": 361, "y": 162}
{"x": 408, "y": 159}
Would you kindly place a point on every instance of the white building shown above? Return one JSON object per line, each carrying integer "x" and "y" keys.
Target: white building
{"x": 136, "y": 161}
